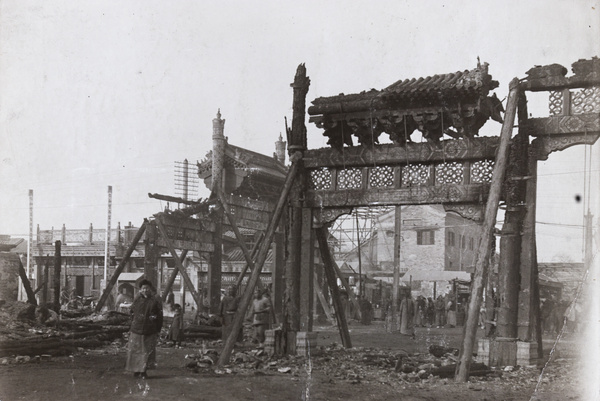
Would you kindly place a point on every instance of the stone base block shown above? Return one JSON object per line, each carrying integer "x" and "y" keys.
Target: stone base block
{"x": 306, "y": 343}
{"x": 527, "y": 353}
{"x": 498, "y": 352}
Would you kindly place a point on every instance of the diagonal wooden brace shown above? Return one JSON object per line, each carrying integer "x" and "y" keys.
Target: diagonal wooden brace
{"x": 178, "y": 263}
{"x": 113, "y": 280}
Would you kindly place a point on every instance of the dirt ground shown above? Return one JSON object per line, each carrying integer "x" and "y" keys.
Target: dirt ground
{"x": 336, "y": 374}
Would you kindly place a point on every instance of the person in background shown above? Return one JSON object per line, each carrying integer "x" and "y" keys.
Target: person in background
{"x": 229, "y": 305}
{"x": 440, "y": 311}
{"x": 261, "y": 312}
{"x": 406, "y": 316}
{"x": 122, "y": 298}
{"x": 176, "y": 329}
{"x": 146, "y": 323}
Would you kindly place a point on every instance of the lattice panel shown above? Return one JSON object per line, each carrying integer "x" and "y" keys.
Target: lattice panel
{"x": 585, "y": 100}
{"x": 449, "y": 173}
{"x": 555, "y": 103}
{"x": 381, "y": 177}
{"x": 349, "y": 178}
{"x": 481, "y": 171}
{"x": 320, "y": 179}
{"x": 415, "y": 174}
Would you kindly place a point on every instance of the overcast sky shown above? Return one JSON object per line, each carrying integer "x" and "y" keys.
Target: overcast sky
{"x": 99, "y": 93}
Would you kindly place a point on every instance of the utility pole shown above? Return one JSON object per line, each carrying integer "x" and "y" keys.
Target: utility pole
{"x": 30, "y": 233}
{"x": 107, "y": 239}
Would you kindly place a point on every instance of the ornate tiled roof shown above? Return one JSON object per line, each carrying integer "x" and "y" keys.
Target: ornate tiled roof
{"x": 258, "y": 175}
{"x": 468, "y": 84}
{"x": 456, "y": 105}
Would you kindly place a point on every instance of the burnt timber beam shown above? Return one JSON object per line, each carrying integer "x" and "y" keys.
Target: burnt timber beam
{"x": 420, "y": 195}
{"x": 27, "y": 284}
{"x": 391, "y": 154}
{"x": 178, "y": 263}
{"x": 173, "y": 275}
{"x": 169, "y": 198}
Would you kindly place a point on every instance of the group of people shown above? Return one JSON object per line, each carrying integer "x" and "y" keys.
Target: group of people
{"x": 147, "y": 321}
{"x": 262, "y": 314}
{"x": 423, "y": 312}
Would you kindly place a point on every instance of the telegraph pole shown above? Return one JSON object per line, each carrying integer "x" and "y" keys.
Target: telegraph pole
{"x": 107, "y": 239}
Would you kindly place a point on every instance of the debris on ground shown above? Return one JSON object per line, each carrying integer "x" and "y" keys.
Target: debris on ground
{"x": 32, "y": 331}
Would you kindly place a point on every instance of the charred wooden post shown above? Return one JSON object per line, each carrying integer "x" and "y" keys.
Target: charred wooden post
{"x": 27, "y": 285}
{"x": 151, "y": 253}
{"x": 44, "y": 286}
{"x": 483, "y": 252}
{"x": 277, "y": 274}
{"x": 113, "y": 280}
{"x": 527, "y": 257}
{"x": 296, "y": 143}
{"x": 529, "y": 323}
{"x": 307, "y": 263}
{"x": 510, "y": 241}
{"x": 321, "y": 234}
{"x": 260, "y": 260}
{"x": 56, "y": 281}
{"x": 216, "y": 257}
{"x": 397, "y": 237}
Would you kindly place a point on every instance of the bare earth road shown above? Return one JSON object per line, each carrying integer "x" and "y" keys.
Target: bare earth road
{"x": 98, "y": 375}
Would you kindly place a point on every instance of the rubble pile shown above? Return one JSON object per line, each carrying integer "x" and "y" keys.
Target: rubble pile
{"x": 29, "y": 330}
{"x": 335, "y": 364}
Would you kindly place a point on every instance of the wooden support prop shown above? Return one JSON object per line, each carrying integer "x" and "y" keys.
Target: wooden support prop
{"x": 235, "y": 229}
{"x": 322, "y": 299}
{"x": 260, "y": 260}
{"x": 186, "y": 278}
{"x": 489, "y": 220}
{"x": 26, "y": 284}
{"x": 349, "y": 290}
{"x": 173, "y": 275}
{"x": 113, "y": 280}
{"x": 321, "y": 234}
{"x": 255, "y": 247}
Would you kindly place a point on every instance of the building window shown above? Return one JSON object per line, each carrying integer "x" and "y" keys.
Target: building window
{"x": 463, "y": 241}
{"x": 426, "y": 237}
{"x": 450, "y": 238}
{"x": 471, "y": 244}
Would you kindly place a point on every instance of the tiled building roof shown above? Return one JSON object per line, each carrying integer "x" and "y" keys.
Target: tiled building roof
{"x": 7, "y": 243}
{"x": 469, "y": 84}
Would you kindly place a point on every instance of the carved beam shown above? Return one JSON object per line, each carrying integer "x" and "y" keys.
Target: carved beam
{"x": 419, "y": 195}
{"x": 541, "y": 147}
{"x": 322, "y": 217}
{"x": 472, "y": 212}
{"x": 443, "y": 151}
{"x": 560, "y": 125}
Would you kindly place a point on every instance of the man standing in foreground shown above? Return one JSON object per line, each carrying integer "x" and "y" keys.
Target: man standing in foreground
{"x": 146, "y": 322}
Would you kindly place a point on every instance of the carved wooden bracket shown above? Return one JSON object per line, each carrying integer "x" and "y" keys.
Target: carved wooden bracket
{"x": 322, "y": 217}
